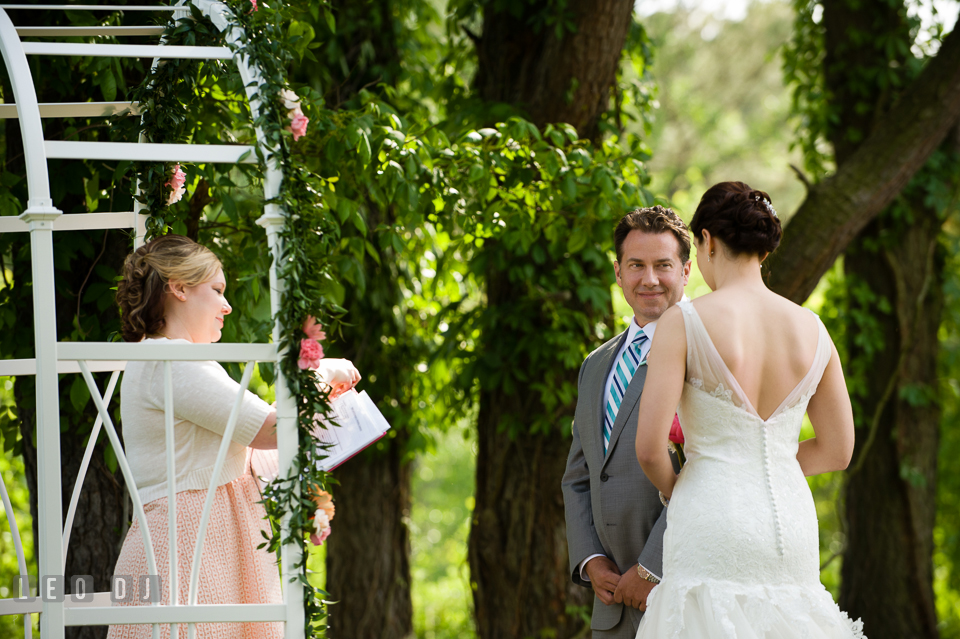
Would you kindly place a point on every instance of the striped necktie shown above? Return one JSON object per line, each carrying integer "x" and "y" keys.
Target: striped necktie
{"x": 626, "y": 367}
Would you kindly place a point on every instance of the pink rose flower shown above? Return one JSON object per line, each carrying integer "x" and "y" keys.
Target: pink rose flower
{"x": 310, "y": 354}
{"x": 176, "y": 184}
{"x": 676, "y": 433}
{"x": 298, "y": 123}
{"x": 254, "y": 3}
{"x": 317, "y": 540}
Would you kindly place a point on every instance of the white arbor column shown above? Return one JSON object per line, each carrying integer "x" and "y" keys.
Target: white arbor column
{"x": 39, "y": 217}
{"x": 49, "y": 507}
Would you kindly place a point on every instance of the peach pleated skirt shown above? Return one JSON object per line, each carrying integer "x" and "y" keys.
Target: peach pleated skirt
{"x": 232, "y": 569}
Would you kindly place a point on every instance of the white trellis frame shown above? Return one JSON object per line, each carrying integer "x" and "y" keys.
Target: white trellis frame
{"x": 52, "y": 358}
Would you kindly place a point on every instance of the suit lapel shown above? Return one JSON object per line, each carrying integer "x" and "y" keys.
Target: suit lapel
{"x": 630, "y": 399}
{"x": 605, "y": 363}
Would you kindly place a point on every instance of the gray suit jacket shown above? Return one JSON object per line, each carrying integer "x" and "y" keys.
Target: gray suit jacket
{"x": 611, "y": 507}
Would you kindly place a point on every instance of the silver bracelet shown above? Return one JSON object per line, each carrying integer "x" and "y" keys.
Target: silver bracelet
{"x": 664, "y": 500}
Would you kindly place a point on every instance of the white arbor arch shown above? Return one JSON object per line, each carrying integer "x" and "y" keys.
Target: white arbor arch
{"x": 53, "y": 358}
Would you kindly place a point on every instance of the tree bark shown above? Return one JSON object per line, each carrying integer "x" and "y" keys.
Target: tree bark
{"x": 517, "y": 547}
{"x": 368, "y": 557}
{"x": 553, "y": 79}
{"x": 865, "y": 183}
{"x": 887, "y": 573}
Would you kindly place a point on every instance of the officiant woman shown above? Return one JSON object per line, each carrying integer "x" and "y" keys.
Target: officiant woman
{"x": 173, "y": 291}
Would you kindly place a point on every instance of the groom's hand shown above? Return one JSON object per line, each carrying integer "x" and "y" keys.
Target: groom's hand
{"x": 604, "y": 577}
{"x": 633, "y": 589}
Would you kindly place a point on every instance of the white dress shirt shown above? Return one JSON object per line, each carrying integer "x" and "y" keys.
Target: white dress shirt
{"x": 632, "y": 331}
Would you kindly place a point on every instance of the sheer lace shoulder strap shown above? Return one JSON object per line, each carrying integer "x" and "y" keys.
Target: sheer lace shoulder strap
{"x": 820, "y": 360}
{"x": 705, "y": 368}
{"x": 808, "y": 385}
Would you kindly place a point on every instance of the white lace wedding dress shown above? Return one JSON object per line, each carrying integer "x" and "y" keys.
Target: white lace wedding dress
{"x": 741, "y": 550}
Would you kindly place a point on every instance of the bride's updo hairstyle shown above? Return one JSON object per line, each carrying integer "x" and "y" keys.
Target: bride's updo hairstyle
{"x": 742, "y": 218}
{"x": 146, "y": 273}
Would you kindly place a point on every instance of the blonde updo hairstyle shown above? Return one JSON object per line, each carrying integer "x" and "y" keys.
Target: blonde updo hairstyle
{"x": 146, "y": 274}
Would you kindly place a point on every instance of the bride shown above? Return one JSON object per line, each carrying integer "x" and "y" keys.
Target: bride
{"x": 741, "y": 550}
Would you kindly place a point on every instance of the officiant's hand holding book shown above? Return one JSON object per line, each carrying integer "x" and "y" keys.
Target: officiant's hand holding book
{"x": 339, "y": 375}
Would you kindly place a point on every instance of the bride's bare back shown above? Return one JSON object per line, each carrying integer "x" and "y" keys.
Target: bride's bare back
{"x": 767, "y": 342}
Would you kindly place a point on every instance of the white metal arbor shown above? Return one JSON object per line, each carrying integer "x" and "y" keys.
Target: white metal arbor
{"x": 52, "y": 358}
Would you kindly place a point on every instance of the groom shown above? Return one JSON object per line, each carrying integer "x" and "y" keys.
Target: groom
{"x": 615, "y": 520}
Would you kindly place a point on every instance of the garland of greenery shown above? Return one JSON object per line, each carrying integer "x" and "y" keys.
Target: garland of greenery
{"x": 168, "y": 96}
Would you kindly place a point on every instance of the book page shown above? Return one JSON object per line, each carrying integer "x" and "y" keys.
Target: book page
{"x": 360, "y": 424}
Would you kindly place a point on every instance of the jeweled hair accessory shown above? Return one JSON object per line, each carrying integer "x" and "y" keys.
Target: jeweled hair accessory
{"x": 768, "y": 205}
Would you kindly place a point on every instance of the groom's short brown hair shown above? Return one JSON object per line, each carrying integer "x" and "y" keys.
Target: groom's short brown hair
{"x": 653, "y": 219}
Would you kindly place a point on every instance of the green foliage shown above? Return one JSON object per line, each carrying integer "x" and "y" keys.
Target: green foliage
{"x": 189, "y": 107}
{"x": 947, "y": 533}
{"x": 876, "y": 57}
{"x": 719, "y": 121}
{"x": 636, "y": 90}
{"x": 803, "y": 60}
{"x": 542, "y": 237}
{"x": 443, "y": 502}
{"x": 11, "y": 473}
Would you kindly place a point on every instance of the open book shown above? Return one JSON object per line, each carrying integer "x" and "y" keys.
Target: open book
{"x": 360, "y": 424}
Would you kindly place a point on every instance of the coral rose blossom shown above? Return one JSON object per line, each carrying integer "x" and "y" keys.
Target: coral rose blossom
{"x": 324, "y": 502}
{"x": 310, "y": 354}
{"x": 298, "y": 124}
{"x": 310, "y": 350}
{"x": 176, "y": 184}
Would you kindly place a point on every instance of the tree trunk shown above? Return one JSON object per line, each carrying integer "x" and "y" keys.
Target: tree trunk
{"x": 887, "y": 574}
{"x": 368, "y": 557}
{"x": 517, "y": 547}
{"x": 553, "y": 79}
